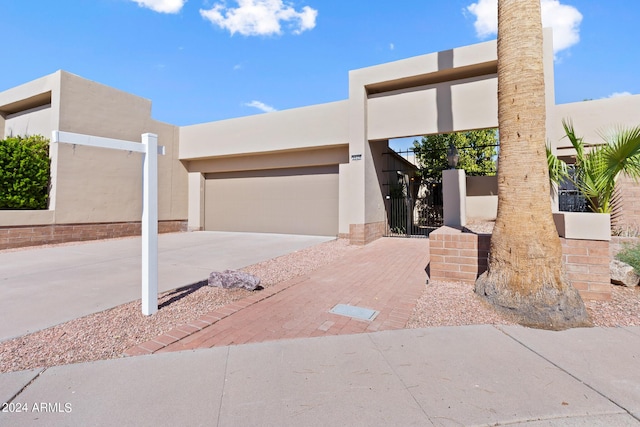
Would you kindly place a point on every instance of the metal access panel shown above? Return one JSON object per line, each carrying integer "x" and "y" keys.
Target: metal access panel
{"x": 355, "y": 312}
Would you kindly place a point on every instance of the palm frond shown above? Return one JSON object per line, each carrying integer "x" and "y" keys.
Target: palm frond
{"x": 596, "y": 171}
{"x": 577, "y": 143}
{"x": 558, "y": 169}
{"x": 623, "y": 153}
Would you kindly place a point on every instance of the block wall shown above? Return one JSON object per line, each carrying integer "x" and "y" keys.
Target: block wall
{"x": 18, "y": 237}
{"x": 458, "y": 256}
{"x": 363, "y": 234}
{"x": 627, "y": 219}
{"x": 586, "y": 263}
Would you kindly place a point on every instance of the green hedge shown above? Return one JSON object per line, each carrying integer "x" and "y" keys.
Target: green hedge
{"x": 24, "y": 172}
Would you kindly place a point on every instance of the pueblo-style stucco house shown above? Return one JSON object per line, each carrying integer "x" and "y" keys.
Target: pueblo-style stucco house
{"x": 318, "y": 170}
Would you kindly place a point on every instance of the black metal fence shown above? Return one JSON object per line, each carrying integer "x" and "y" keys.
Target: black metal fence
{"x": 572, "y": 201}
{"x": 569, "y": 198}
{"x": 409, "y": 217}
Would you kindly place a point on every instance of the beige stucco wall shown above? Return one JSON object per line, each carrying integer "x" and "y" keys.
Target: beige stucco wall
{"x": 195, "y": 219}
{"x": 482, "y": 185}
{"x": 409, "y": 70}
{"x": 375, "y": 176}
{"x": 93, "y": 184}
{"x": 306, "y": 137}
{"x": 593, "y": 118}
{"x": 344, "y": 182}
{"x": 481, "y": 198}
{"x": 439, "y": 92}
{"x": 398, "y": 99}
{"x": 102, "y": 185}
{"x": 34, "y": 121}
{"x": 481, "y": 208}
{"x": 583, "y": 225}
{"x": 295, "y": 129}
{"x": 329, "y": 155}
{"x": 410, "y": 112}
{"x": 25, "y": 217}
{"x": 31, "y": 107}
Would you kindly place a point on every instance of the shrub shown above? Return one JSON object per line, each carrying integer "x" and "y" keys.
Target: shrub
{"x": 24, "y": 172}
{"x": 630, "y": 255}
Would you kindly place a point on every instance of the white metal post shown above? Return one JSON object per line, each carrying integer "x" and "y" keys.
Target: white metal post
{"x": 150, "y": 225}
{"x": 150, "y": 150}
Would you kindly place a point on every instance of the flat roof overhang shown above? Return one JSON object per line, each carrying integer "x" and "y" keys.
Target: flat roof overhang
{"x": 26, "y": 103}
{"x": 441, "y": 76}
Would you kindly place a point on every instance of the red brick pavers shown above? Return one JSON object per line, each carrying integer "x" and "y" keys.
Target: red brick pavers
{"x": 387, "y": 275}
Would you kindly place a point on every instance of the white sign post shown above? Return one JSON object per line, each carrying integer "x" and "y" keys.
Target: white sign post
{"x": 150, "y": 150}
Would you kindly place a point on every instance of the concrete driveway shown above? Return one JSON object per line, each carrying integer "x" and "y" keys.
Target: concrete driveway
{"x": 43, "y": 287}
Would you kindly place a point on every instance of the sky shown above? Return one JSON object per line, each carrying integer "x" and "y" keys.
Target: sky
{"x": 207, "y": 60}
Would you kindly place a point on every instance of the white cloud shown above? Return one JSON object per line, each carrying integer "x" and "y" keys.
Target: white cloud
{"x": 260, "y": 17}
{"x": 162, "y": 6}
{"x": 486, "y": 13}
{"x": 261, "y": 106}
{"x": 618, "y": 94}
{"x": 564, "y": 19}
{"x": 392, "y": 46}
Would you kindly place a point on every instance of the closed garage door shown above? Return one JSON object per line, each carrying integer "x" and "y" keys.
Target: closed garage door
{"x": 288, "y": 201}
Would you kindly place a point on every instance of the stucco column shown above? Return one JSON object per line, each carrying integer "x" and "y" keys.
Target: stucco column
{"x": 358, "y": 157}
{"x": 196, "y": 201}
{"x": 344, "y": 192}
{"x": 454, "y": 197}
{"x": 357, "y": 149}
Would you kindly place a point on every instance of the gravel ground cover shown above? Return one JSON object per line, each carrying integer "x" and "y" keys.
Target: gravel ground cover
{"x": 108, "y": 334}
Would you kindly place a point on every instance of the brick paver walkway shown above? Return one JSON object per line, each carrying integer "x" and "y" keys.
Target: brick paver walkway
{"x": 387, "y": 275}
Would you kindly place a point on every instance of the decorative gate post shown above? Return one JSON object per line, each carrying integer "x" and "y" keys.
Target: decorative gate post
{"x": 454, "y": 196}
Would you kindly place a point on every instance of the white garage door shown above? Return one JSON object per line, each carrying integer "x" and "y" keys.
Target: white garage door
{"x": 288, "y": 201}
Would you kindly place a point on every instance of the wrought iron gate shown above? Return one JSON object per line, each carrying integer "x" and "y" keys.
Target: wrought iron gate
{"x": 417, "y": 216}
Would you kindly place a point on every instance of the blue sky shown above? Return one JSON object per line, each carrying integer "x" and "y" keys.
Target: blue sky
{"x": 205, "y": 60}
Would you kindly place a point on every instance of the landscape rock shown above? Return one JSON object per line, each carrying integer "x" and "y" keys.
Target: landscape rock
{"x": 230, "y": 279}
{"x": 622, "y": 274}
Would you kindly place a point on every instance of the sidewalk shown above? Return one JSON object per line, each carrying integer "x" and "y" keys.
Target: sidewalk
{"x": 450, "y": 376}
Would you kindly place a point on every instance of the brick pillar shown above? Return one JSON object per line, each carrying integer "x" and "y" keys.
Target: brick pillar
{"x": 456, "y": 255}
{"x": 586, "y": 263}
{"x": 363, "y": 234}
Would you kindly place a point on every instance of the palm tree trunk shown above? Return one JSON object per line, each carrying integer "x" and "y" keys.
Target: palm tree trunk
{"x": 525, "y": 275}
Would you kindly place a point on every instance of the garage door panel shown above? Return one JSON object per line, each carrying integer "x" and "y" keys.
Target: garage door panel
{"x": 300, "y": 201}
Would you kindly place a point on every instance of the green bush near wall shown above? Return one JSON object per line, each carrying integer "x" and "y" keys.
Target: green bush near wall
{"x": 630, "y": 254}
{"x": 24, "y": 172}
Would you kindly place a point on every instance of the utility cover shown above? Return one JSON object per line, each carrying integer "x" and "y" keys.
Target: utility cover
{"x": 355, "y": 312}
